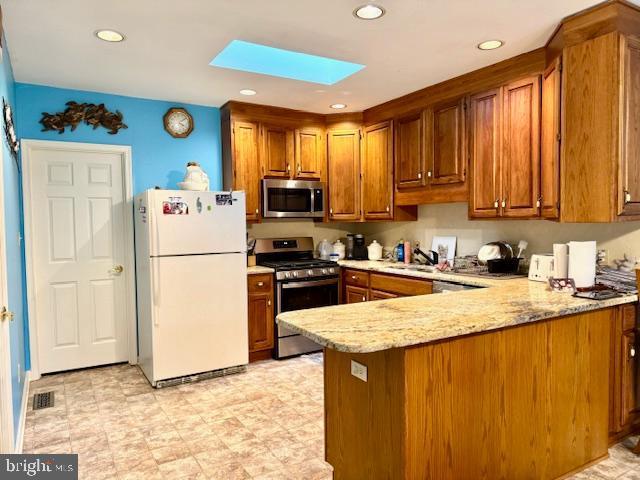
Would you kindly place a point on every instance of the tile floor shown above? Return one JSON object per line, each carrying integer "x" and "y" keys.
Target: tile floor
{"x": 264, "y": 424}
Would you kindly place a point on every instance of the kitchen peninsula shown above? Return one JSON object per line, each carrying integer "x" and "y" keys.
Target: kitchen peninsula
{"x": 510, "y": 381}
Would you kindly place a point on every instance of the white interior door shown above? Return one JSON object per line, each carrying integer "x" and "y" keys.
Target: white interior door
{"x": 6, "y": 410}
{"x": 78, "y": 247}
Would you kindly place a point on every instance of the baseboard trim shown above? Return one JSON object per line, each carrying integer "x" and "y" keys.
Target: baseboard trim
{"x": 23, "y": 413}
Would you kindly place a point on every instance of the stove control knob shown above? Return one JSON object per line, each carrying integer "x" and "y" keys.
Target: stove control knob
{"x": 287, "y": 274}
{"x": 295, "y": 274}
{"x": 310, "y": 273}
{"x": 324, "y": 271}
{"x": 332, "y": 270}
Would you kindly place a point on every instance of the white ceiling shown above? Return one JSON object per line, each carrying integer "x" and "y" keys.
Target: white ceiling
{"x": 169, "y": 45}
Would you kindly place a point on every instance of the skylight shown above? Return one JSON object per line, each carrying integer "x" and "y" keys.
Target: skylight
{"x": 252, "y": 57}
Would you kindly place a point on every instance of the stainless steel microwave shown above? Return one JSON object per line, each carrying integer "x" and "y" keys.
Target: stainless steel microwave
{"x": 292, "y": 199}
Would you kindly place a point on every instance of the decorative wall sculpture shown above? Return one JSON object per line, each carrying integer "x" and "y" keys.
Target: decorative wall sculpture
{"x": 89, "y": 113}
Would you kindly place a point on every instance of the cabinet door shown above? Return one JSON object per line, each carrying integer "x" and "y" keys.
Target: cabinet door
{"x": 246, "y": 165}
{"x": 377, "y": 172}
{"x": 485, "y": 151}
{"x": 550, "y": 145}
{"x": 445, "y": 151}
{"x": 343, "y": 176}
{"x": 277, "y": 151}
{"x": 309, "y": 154}
{"x": 629, "y": 368}
{"x": 409, "y": 155}
{"x": 520, "y": 166}
{"x": 378, "y": 295}
{"x": 629, "y": 194}
{"x": 356, "y": 294}
{"x": 261, "y": 321}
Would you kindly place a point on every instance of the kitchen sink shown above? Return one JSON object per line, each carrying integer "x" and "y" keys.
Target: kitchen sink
{"x": 412, "y": 266}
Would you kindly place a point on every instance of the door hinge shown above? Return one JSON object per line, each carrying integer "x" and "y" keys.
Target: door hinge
{"x": 6, "y": 314}
{"x": 558, "y": 137}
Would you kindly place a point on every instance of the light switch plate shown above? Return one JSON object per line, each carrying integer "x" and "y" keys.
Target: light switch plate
{"x": 358, "y": 370}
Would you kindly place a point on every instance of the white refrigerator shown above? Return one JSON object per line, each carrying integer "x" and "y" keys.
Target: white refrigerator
{"x": 191, "y": 282}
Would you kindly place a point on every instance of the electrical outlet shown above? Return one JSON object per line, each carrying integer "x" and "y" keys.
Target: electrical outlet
{"x": 358, "y": 370}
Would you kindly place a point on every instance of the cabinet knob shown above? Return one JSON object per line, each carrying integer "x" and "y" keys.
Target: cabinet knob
{"x": 627, "y": 197}
{"x": 261, "y": 284}
{"x": 331, "y": 211}
{"x": 496, "y": 204}
{"x": 269, "y": 302}
{"x": 429, "y": 174}
{"x": 364, "y": 299}
{"x": 504, "y": 203}
{"x": 257, "y": 211}
{"x": 419, "y": 175}
{"x": 288, "y": 168}
{"x": 632, "y": 352}
{"x": 388, "y": 208}
{"x": 353, "y": 277}
{"x": 539, "y": 202}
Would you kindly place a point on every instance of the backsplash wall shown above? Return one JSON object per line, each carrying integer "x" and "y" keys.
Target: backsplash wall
{"x": 451, "y": 219}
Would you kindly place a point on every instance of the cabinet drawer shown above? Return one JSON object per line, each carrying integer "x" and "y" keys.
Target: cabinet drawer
{"x": 628, "y": 317}
{"x": 260, "y": 283}
{"x": 400, "y": 285}
{"x": 356, "y": 277}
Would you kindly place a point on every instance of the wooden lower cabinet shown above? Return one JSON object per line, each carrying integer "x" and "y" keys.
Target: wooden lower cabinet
{"x": 624, "y": 413}
{"x": 363, "y": 286}
{"x": 261, "y": 317}
{"x": 355, "y": 294}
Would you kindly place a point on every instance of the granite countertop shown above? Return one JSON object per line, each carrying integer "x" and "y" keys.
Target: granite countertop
{"x": 256, "y": 269}
{"x": 400, "y": 322}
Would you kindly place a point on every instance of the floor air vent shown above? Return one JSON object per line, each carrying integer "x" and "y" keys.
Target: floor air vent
{"x": 42, "y": 400}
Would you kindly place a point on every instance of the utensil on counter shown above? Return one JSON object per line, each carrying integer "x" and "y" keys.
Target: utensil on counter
{"x": 522, "y": 246}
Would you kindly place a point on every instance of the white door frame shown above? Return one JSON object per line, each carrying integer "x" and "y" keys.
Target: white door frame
{"x": 7, "y": 443}
{"x": 127, "y": 187}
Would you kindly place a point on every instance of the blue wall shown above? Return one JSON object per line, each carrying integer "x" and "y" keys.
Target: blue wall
{"x": 158, "y": 158}
{"x": 14, "y": 251}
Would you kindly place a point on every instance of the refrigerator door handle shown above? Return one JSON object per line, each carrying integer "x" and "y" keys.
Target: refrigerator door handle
{"x": 155, "y": 272}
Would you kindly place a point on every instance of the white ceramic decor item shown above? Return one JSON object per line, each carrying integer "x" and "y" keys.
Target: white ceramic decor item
{"x": 195, "y": 178}
{"x": 339, "y": 249}
{"x": 374, "y": 251}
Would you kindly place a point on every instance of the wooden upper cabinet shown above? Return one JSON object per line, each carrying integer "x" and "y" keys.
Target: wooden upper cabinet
{"x": 485, "y": 152}
{"x": 409, "y": 155}
{"x": 520, "y": 165}
{"x": 550, "y": 141}
{"x": 343, "y": 147}
{"x": 309, "y": 153}
{"x": 629, "y": 187}
{"x": 277, "y": 152}
{"x": 445, "y": 152}
{"x": 246, "y": 164}
{"x": 377, "y": 172}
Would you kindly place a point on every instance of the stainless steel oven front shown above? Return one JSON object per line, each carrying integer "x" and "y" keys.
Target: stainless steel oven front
{"x": 299, "y": 295}
{"x": 292, "y": 199}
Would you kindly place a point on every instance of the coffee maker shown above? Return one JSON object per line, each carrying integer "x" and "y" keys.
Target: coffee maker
{"x": 359, "y": 248}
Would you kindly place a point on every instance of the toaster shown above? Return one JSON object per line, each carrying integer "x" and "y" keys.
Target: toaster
{"x": 541, "y": 267}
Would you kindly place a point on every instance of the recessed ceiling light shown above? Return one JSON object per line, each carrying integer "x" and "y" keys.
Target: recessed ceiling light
{"x": 490, "y": 44}
{"x": 369, "y": 12}
{"x": 338, "y": 106}
{"x": 110, "y": 35}
{"x": 248, "y": 91}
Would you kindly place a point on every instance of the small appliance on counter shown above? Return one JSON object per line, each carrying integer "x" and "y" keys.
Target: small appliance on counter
{"x": 541, "y": 267}
{"x": 359, "y": 248}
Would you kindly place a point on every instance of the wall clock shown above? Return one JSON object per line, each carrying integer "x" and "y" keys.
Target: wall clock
{"x": 178, "y": 122}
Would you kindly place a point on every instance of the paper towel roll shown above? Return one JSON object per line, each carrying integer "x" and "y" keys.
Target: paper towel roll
{"x": 560, "y": 260}
{"x": 582, "y": 263}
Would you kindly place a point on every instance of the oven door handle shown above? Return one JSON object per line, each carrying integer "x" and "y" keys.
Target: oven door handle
{"x": 312, "y": 283}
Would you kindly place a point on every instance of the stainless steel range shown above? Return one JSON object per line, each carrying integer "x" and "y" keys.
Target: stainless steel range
{"x": 301, "y": 282}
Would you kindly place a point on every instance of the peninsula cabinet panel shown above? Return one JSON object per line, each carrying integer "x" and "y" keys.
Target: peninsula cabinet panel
{"x": 277, "y": 151}
{"x": 485, "y": 146}
{"x": 630, "y": 156}
{"x": 309, "y": 154}
{"x": 445, "y": 143}
{"x": 246, "y": 165}
{"x": 550, "y": 141}
{"x": 528, "y": 402}
{"x": 409, "y": 155}
{"x": 343, "y": 161}
{"x": 520, "y": 166}
{"x": 377, "y": 172}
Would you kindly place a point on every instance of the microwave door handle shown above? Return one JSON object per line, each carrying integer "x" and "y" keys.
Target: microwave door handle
{"x": 312, "y": 283}
{"x": 313, "y": 200}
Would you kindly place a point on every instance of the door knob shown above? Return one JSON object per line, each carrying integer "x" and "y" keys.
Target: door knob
{"x": 6, "y": 314}
{"x": 117, "y": 269}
